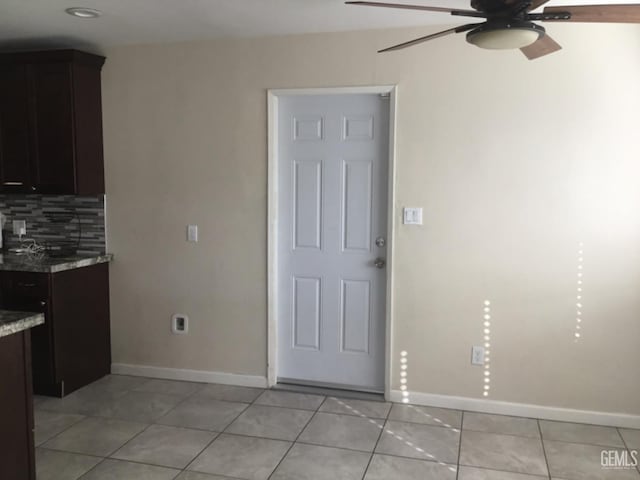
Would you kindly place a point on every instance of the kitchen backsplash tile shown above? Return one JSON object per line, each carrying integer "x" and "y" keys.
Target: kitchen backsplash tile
{"x": 58, "y": 221}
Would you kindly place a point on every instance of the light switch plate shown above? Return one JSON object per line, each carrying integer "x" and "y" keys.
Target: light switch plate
{"x": 412, "y": 216}
{"x": 192, "y": 233}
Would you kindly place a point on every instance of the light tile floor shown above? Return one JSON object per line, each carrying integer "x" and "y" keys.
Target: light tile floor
{"x": 130, "y": 428}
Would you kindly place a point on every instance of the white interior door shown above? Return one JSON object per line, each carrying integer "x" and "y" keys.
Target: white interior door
{"x": 332, "y": 192}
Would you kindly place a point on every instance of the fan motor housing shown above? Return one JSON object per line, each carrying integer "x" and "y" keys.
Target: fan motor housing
{"x": 491, "y": 6}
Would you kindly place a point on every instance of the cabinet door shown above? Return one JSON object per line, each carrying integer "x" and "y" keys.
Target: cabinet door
{"x": 80, "y": 319}
{"x": 14, "y": 129}
{"x": 53, "y": 163}
{"x": 29, "y": 292}
{"x": 16, "y": 409}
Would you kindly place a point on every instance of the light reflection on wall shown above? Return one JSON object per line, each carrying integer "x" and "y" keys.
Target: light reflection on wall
{"x": 487, "y": 345}
{"x": 577, "y": 335}
{"x": 403, "y": 376}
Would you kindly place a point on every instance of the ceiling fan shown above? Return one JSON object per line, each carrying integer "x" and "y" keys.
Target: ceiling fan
{"x": 509, "y": 24}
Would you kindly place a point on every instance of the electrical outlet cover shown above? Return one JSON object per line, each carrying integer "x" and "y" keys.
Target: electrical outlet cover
{"x": 19, "y": 227}
{"x": 180, "y": 324}
{"x": 477, "y": 355}
{"x": 192, "y": 233}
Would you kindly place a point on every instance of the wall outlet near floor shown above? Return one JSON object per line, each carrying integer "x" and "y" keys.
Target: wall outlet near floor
{"x": 179, "y": 324}
{"x": 477, "y": 355}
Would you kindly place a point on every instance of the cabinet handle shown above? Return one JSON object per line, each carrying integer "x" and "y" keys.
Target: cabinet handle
{"x": 43, "y": 303}
{"x": 13, "y": 184}
{"x": 33, "y": 189}
{"x": 26, "y": 285}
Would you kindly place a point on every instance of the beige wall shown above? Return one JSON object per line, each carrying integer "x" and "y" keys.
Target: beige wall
{"x": 514, "y": 162}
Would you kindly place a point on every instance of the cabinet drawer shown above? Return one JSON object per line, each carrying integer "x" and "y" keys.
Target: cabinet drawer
{"x": 17, "y": 286}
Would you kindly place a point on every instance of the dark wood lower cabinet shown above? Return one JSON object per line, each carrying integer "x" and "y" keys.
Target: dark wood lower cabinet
{"x": 73, "y": 347}
{"x": 17, "y": 460}
{"x": 81, "y": 330}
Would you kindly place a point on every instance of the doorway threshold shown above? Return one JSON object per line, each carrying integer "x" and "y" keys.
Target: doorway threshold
{"x": 286, "y": 386}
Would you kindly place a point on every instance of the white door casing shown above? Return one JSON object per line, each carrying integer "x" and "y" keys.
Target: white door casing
{"x": 332, "y": 163}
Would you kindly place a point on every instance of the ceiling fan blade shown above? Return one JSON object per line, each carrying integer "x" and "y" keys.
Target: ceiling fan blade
{"x": 537, "y": 4}
{"x": 544, "y": 46}
{"x": 453, "y": 11}
{"x": 433, "y": 36}
{"x": 598, "y": 13}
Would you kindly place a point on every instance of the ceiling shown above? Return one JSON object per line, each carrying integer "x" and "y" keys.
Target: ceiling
{"x": 43, "y": 23}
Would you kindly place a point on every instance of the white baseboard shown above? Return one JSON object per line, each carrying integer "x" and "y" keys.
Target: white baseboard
{"x": 519, "y": 409}
{"x": 189, "y": 375}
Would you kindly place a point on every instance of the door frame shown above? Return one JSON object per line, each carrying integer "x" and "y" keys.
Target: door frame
{"x": 273, "y": 220}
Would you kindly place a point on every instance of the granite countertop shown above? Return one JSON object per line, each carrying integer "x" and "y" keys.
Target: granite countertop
{"x": 25, "y": 263}
{"x": 13, "y": 322}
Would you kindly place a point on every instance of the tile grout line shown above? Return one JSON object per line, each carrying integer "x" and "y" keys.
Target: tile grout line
{"x": 316, "y": 409}
{"x": 60, "y": 432}
{"x": 629, "y": 449}
{"x": 410, "y": 444}
{"x": 137, "y": 462}
{"x": 296, "y": 439}
{"x": 217, "y": 434}
{"x": 184, "y": 469}
{"x": 373, "y": 452}
{"x": 544, "y": 451}
{"x": 277, "y": 406}
{"x": 510, "y": 472}
{"x": 72, "y": 453}
{"x": 153, "y": 421}
{"x": 148, "y": 425}
{"x": 460, "y": 446}
{"x": 96, "y": 456}
{"x": 92, "y": 469}
{"x": 267, "y": 438}
{"x": 223, "y": 430}
{"x": 539, "y": 436}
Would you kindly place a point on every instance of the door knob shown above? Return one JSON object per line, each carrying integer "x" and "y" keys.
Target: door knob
{"x": 379, "y": 262}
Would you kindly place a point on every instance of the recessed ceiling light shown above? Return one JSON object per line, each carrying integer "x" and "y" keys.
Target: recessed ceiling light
{"x": 82, "y": 12}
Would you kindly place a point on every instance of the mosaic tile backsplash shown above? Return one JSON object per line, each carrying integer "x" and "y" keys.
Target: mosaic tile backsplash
{"x": 63, "y": 223}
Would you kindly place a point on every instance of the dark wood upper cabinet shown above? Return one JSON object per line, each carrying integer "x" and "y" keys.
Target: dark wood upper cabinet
{"x": 51, "y": 123}
{"x": 14, "y": 128}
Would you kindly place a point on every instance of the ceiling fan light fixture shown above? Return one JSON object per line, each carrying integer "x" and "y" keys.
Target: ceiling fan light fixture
{"x": 83, "y": 12}
{"x": 505, "y": 36}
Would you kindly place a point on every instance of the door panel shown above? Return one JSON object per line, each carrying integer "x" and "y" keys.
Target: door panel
{"x": 333, "y": 172}
{"x": 357, "y": 203}
{"x": 307, "y": 127}
{"x": 355, "y": 315}
{"x": 306, "y": 313}
{"x": 307, "y": 204}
